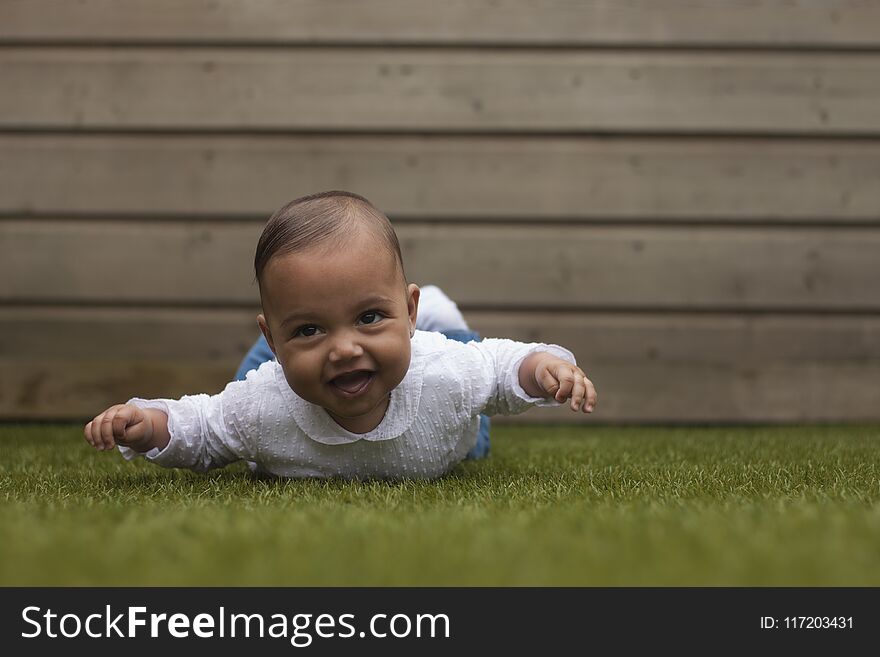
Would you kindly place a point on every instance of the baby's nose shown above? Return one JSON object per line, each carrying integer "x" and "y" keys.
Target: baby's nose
{"x": 344, "y": 348}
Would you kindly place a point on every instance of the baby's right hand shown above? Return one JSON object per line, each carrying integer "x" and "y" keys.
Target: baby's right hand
{"x": 123, "y": 424}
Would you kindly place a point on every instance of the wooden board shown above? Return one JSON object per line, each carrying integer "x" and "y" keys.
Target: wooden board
{"x": 502, "y": 179}
{"x": 401, "y": 89}
{"x": 767, "y": 23}
{"x": 521, "y": 266}
{"x": 684, "y": 192}
{"x": 71, "y": 363}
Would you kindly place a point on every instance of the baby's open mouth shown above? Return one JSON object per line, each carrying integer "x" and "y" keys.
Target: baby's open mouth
{"x": 353, "y": 382}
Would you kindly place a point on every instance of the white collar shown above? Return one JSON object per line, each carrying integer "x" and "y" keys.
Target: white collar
{"x": 317, "y": 424}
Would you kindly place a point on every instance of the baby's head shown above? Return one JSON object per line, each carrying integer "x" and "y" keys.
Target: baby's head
{"x": 337, "y": 310}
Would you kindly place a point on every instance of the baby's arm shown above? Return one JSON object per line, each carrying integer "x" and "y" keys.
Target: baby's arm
{"x": 505, "y": 377}
{"x": 544, "y": 375}
{"x": 196, "y": 432}
{"x": 129, "y": 426}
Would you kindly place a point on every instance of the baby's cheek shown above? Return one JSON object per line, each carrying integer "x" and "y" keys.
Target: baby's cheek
{"x": 397, "y": 359}
{"x": 302, "y": 374}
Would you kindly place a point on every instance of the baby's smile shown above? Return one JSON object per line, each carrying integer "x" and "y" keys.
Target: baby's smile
{"x": 352, "y": 384}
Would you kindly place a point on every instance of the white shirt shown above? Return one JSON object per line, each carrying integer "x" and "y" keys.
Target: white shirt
{"x": 430, "y": 425}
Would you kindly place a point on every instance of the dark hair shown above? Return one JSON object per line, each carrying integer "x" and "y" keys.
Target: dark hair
{"x": 318, "y": 218}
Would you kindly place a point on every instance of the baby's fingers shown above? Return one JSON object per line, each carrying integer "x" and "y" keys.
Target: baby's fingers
{"x": 592, "y": 398}
{"x": 108, "y": 427}
{"x": 566, "y": 384}
{"x": 548, "y": 382}
{"x": 93, "y": 431}
{"x": 578, "y": 392}
{"x": 90, "y": 439}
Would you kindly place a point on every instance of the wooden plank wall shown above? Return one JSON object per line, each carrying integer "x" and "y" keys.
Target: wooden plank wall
{"x": 684, "y": 192}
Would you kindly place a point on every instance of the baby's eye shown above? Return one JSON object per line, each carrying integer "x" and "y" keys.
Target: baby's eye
{"x": 306, "y": 331}
{"x": 371, "y": 317}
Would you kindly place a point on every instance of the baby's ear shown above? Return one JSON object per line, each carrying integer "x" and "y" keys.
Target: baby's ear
{"x": 264, "y": 328}
{"x": 412, "y": 305}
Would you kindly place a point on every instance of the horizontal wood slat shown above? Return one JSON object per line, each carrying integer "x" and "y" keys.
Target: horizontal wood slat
{"x": 499, "y": 178}
{"x": 522, "y": 266}
{"x": 775, "y": 23}
{"x": 351, "y": 89}
{"x": 72, "y": 363}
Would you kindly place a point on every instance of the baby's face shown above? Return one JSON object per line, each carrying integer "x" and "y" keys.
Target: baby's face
{"x": 339, "y": 323}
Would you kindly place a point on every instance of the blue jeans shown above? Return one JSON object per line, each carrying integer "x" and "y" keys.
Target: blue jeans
{"x": 260, "y": 353}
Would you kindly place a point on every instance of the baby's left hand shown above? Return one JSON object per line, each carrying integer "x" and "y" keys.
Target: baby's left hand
{"x": 560, "y": 379}
{"x": 542, "y": 374}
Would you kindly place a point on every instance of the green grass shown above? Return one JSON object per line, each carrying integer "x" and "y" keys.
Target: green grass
{"x": 591, "y": 506}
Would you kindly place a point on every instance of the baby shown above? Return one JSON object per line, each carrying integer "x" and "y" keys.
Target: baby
{"x": 355, "y": 391}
